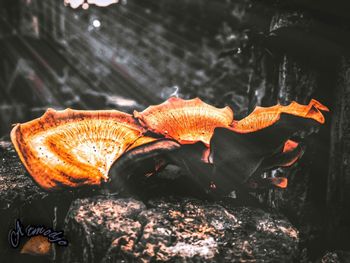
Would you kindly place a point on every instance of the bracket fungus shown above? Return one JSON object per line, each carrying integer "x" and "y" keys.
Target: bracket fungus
{"x": 73, "y": 148}
{"x": 263, "y": 117}
{"x": 136, "y": 167}
{"x": 266, "y": 139}
{"x": 148, "y": 157}
{"x": 70, "y": 148}
{"x": 186, "y": 121}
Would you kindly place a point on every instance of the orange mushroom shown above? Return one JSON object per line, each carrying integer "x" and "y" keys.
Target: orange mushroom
{"x": 141, "y": 141}
{"x": 186, "y": 121}
{"x": 263, "y": 117}
{"x": 145, "y": 150}
{"x": 146, "y": 157}
{"x": 73, "y": 148}
{"x": 291, "y": 148}
{"x": 262, "y": 142}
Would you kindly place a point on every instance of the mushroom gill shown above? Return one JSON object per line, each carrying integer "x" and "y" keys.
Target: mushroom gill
{"x": 146, "y": 157}
{"x": 186, "y": 121}
{"x": 146, "y": 153}
{"x": 72, "y": 148}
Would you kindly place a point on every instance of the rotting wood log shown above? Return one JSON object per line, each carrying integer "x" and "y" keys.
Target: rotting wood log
{"x": 16, "y": 187}
{"x": 175, "y": 230}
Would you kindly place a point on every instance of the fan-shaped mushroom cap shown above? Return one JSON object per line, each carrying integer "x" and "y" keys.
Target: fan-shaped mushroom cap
{"x": 263, "y": 117}
{"x": 72, "y": 148}
{"x": 186, "y": 121}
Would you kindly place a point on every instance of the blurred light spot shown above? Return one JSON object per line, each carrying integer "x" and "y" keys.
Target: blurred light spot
{"x": 74, "y": 3}
{"x": 85, "y": 6}
{"x": 232, "y": 37}
{"x": 96, "y": 23}
{"x": 122, "y": 102}
{"x": 102, "y": 2}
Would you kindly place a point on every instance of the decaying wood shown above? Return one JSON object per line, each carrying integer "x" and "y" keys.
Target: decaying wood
{"x": 175, "y": 230}
{"x": 16, "y": 187}
{"x": 337, "y": 256}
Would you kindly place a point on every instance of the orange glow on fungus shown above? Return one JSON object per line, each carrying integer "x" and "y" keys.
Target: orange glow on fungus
{"x": 263, "y": 117}
{"x": 186, "y": 121}
{"x": 141, "y": 141}
{"x": 280, "y": 182}
{"x": 206, "y": 156}
{"x": 289, "y": 147}
{"x": 73, "y": 148}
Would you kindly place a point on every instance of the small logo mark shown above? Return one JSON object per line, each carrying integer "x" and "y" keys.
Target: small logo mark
{"x": 20, "y": 231}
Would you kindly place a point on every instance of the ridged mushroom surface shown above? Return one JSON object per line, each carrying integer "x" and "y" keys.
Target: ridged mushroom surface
{"x": 263, "y": 117}
{"x": 186, "y": 121}
{"x": 72, "y": 148}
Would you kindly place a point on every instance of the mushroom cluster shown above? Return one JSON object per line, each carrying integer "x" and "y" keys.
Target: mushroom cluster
{"x": 73, "y": 148}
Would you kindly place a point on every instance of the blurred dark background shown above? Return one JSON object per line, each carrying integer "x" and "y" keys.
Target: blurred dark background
{"x": 240, "y": 53}
{"x": 125, "y": 56}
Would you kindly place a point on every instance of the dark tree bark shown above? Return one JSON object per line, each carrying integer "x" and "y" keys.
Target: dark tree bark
{"x": 338, "y": 188}
{"x": 292, "y": 79}
{"x": 307, "y": 70}
{"x": 295, "y": 75}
